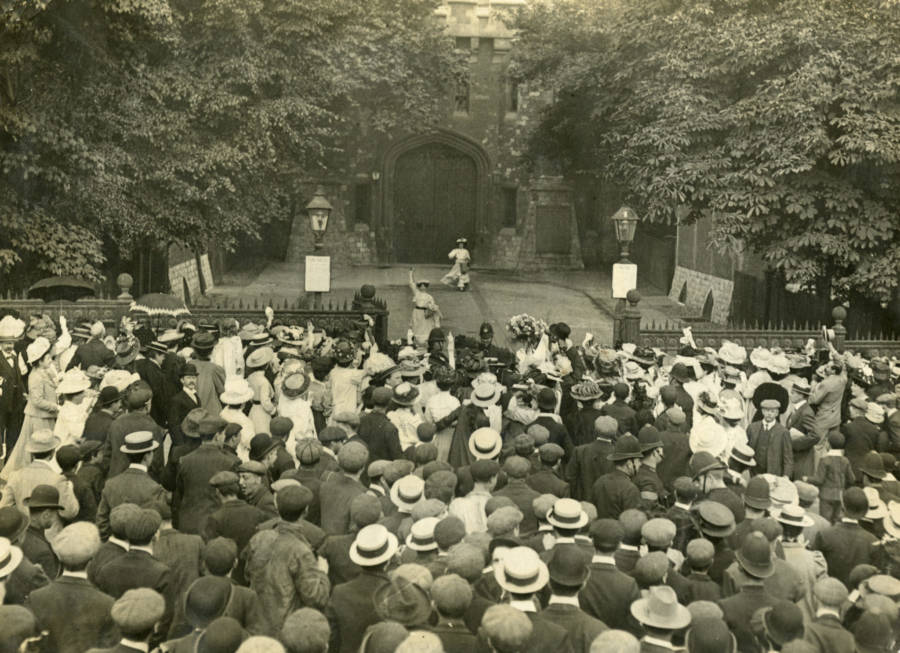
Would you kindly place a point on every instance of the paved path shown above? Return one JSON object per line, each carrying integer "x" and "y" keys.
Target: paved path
{"x": 579, "y": 298}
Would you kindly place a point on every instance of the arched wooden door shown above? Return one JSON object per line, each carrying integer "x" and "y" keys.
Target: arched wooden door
{"x": 435, "y": 195}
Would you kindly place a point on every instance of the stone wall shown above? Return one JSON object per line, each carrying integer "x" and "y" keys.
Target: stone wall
{"x": 183, "y": 271}
{"x": 698, "y": 286}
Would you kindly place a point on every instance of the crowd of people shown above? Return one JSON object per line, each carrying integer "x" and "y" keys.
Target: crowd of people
{"x": 262, "y": 487}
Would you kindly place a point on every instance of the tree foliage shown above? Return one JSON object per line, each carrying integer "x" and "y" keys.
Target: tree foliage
{"x": 145, "y": 122}
{"x": 779, "y": 120}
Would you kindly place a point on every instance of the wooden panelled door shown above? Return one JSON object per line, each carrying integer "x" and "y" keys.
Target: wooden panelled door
{"x": 435, "y": 191}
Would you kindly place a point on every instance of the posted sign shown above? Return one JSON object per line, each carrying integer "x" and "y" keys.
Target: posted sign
{"x": 318, "y": 274}
{"x": 624, "y": 279}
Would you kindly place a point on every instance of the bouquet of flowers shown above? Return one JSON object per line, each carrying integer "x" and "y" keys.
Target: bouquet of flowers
{"x": 526, "y": 327}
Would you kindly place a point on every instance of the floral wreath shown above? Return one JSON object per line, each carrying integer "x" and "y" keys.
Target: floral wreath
{"x": 526, "y": 327}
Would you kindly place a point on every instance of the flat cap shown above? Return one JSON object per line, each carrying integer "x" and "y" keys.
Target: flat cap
{"x": 348, "y": 417}
{"x": 451, "y": 594}
{"x": 632, "y": 521}
{"x": 658, "y": 532}
{"x": 376, "y": 468}
{"x": 308, "y": 451}
{"x": 143, "y": 525}
{"x": 223, "y": 478}
{"x": 332, "y": 434}
{"x": 540, "y": 434}
{"x": 651, "y": 569}
{"x": 884, "y": 585}
{"x": 77, "y": 543}
{"x": 496, "y": 502}
{"x": 397, "y": 470}
{"x": 219, "y": 555}
{"x": 222, "y": 635}
{"x": 261, "y": 644}
{"x": 700, "y": 552}
{"x": 293, "y": 498}
{"x": 415, "y": 573}
{"x": 542, "y": 505}
{"x": 517, "y": 467}
{"x": 365, "y": 509}
{"x": 704, "y": 610}
{"x": 466, "y": 560}
{"x": 615, "y": 641}
{"x": 523, "y": 444}
{"x": 830, "y": 591}
{"x": 421, "y": 641}
{"x": 210, "y": 425}
{"x": 449, "y": 531}
{"x": 606, "y": 534}
{"x": 427, "y": 508}
{"x": 425, "y": 453}
{"x": 426, "y": 431}
{"x": 605, "y": 427}
{"x": 306, "y": 629}
{"x": 507, "y": 628}
{"x": 120, "y": 516}
{"x": 353, "y": 456}
{"x": 504, "y": 520}
{"x": 137, "y": 611}
{"x": 280, "y": 426}
{"x": 435, "y": 466}
{"x": 550, "y": 453}
{"x": 807, "y": 492}
{"x": 484, "y": 470}
{"x": 253, "y": 467}
{"x": 684, "y": 487}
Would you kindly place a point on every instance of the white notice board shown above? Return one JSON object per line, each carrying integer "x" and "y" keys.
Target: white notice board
{"x": 624, "y": 279}
{"x": 318, "y": 274}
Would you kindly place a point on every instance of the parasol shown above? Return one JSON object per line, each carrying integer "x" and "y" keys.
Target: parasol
{"x": 54, "y": 289}
{"x": 157, "y": 304}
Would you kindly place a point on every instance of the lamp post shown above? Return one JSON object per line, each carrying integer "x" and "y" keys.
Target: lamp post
{"x": 318, "y": 210}
{"x": 624, "y": 279}
{"x": 318, "y": 267}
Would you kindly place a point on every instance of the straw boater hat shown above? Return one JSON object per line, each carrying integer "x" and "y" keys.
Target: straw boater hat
{"x": 486, "y": 394}
{"x": 10, "y": 557}
{"x": 567, "y": 513}
{"x": 294, "y": 384}
{"x": 237, "y": 391}
{"x": 405, "y": 394}
{"x": 373, "y": 545}
{"x": 407, "y": 492}
{"x": 260, "y": 357}
{"x": 485, "y": 443}
{"x": 522, "y": 571}
{"x": 421, "y": 535}
{"x": 792, "y": 515}
{"x": 660, "y": 609}
{"x": 11, "y": 328}
{"x": 139, "y": 442}
{"x": 744, "y": 454}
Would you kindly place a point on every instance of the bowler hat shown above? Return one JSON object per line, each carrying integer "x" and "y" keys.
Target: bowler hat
{"x": 569, "y": 566}
{"x": 546, "y": 399}
{"x": 660, "y": 609}
{"x": 223, "y": 635}
{"x": 206, "y": 600}
{"x": 203, "y": 341}
{"x": 189, "y": 369}
{"x": 783, "y": 622}
{"x": 260, "y": 445}
{"x": 703, "y": 462}
{"x": 12, "y": 522}
{"x": 108, "y": 395}
{"x": 756, "y": 494}
{"x": 649, "y": 439}
{"x": 44, "y": 497}
{"x": 755, "y": 556}
{"x": 873, "y": 465}
{"x": 607, "y": 534}
{"x": 626, "y": 447}
{"x": 855, "y": 502}
{"x": 710, "y": 635}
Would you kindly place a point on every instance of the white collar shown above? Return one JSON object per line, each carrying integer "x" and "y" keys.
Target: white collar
{"x": 190, "y": 393}
{"x": 133, "y": 643}
{"x": 524, "y": 606}
{"x": 835, "y": 452}
{"x": 120, "y": 543}
{"x": 565, "y": 600}
{"x": 43, "y": 461}
{"x": 831, "y": 612}
{"x": 799, "y": 404}
{"x": 143, "y": 468}
{"x": 847, "y": 520}
{"x": 609, "y": 560}
{"x": 138, "y": 547}
{"x": 75, "y": 574}
{"x": 628, "y": 547}
{"x": 545, "y": 528}
{"x": 683, "y": 506}
{"x": 658, "y": 642}
{"x": 565, "y": 540}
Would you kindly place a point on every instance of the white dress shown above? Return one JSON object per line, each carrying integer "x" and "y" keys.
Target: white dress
{"x": 407, "y": 422}
{"x": 300, "y": 413}
{"x": 529, "y": 357}
{"x": 345, "y": 389}
{"x": 459, "y": 274}
{"x": 263, "y": 406}
{"x": 70, "y": 421}
{"x": 235, "y": 416}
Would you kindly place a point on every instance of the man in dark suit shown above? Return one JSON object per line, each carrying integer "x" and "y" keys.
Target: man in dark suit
{"x": 149, "y": 369}
{"x": 137, "y": 404}
{"x": 136, "y": 615}
{"x": 861, "y": 433}
{"x": 339, "y": 489}
{"x": 569, "y": 572}
{"x": 12, "y": 384}
{"x": 280, "y": 429}
{"x": 755, "y": 560}
{"x": 235, "y": 519}
{"x": 194, "y": 498}
{"x": 190, "y": 430}
{"x": 518, "y": 490}
{"x": 74, "y": 630}
{"x": 107, "y": 408}
{"x": 351, "y": 609}
{"x": 43, "y": 508}
{"x": 826, "y": 632}
{"x": 182, "y": 403}
{"x": 771, "y": 442}
{"x": 615, "y": 492}
{"x": 93, "y": 351}
{"x": 621, "y": 411}
{"x": 676, "y": 447}
{"x": 181, "y": 553}
{"x": 523, "y": 563}
{"x": 559, "y": 434}
{"x": 589, "y": 461}
{"x": 134, "y": 484}
{"x": 609, "y": 592}
{"x": 888, "y": 401}
{"x": 846, "y": 544}
{"x": 378, "y": 432}
{"x": 677, "y": 378}
{"x": 545, "y": 477}
{"x": 801, "y": 426}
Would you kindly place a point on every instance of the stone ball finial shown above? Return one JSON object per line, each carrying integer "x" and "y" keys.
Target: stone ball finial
{"x": 839, "y": 313}
{"x": 633, "y": 296}
{"x": 125, "y": 281}
{"x": 367, "y": 291}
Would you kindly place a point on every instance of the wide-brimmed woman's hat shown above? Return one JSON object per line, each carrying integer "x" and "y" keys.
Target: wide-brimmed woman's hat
{"x": 731, "y": 375}
{"x": 708, "y": 403}
{"x": 411, "y": 367}
{"x": 660, "y": 609}
{"x": 485, "y": 443}
{"x": 42, "y": 441}
{"x": 73, "y": 382}
{"x": 295, "y": 384}
{"x": 462, "y": 240}
{"x": 237, "y": 391}
{"x": 260, "y": 357}
{"x": 793, "y": 515}
{"x": 405, "y": 394}
{"x": 587, "y": 390}
{"x": 760, "y": 357}
{"x": 373, "y": 545}
{"x": 732, "y": 353}
{"x": 37, "y": 349}
{"x": 732, "y": 408}
{"x": 11, "y": 328}
{"x": 708, "y": 436}
{"x": 891, "y": 520}
{"x": 522, "y": 571}
{"x": 486, "y": 394}
{"x": 407, "y": 492}
{"x": 643, "y": 356}
{"x": 250, "y": 330}
{"x": 632, "y": 371}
